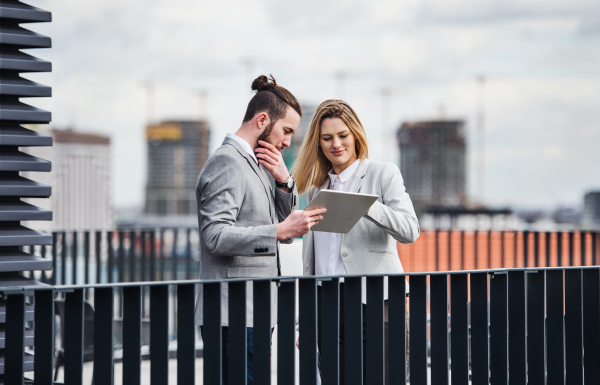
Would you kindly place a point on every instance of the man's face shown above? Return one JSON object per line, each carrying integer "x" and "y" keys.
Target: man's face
{"x": 280, "y": 133}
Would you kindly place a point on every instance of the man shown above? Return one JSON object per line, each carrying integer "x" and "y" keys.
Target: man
{"x": 241, "y": 218}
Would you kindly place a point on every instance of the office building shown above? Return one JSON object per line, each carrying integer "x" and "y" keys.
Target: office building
{"x": 591, "y": 209}
{"x": 433, "y": 162}
{"x": 177, "y": 151}
{"x": 80, "y": 180}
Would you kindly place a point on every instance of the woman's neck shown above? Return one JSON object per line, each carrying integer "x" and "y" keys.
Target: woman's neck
{"x": 339, "y": 168}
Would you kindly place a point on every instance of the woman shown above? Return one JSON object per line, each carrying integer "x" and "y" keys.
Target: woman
{"x": 334, "y": 156}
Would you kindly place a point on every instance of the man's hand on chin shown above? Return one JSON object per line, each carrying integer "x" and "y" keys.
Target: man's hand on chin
{"x": 270, "y": 157}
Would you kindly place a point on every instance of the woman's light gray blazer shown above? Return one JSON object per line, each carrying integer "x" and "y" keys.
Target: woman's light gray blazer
{"x": 370, "y": 247}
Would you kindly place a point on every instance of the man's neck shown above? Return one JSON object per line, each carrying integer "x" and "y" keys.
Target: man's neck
{"x": 248, "y": 136}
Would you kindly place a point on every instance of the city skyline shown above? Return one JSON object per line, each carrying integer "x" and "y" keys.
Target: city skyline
{"x": 540, "y": 61}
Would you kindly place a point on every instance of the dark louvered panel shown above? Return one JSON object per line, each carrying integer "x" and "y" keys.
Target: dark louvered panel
{"x": 15, "y": 60}
{"x": 14, "y": 185}
{"x": 13, "y": 160}
{"x": 12, "y": 134}
{"x": 15, "y": 238}
{"x": 23, "y": 13}
{"x": 13, "y": 234}
{"x": 16, "y": 85}
{"x": 17, "y": 35}
{"x": 21, "y": 112}
{"x": 17, "y": 260}
{"x": 16, "y": 210}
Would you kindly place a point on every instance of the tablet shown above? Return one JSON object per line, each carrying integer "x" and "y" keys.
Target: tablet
{"x": 344, "y": 209}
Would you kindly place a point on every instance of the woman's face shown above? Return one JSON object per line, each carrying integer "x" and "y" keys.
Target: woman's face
{"x": 337, "y": 143}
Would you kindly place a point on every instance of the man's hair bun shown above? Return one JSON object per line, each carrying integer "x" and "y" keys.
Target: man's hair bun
{"x": 262, "y": 83}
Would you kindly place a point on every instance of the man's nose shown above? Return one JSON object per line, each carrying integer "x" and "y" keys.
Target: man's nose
{"x": 286, "y": 142}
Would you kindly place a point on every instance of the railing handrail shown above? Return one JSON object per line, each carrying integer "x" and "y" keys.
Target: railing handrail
{"x": 14, "y": 289}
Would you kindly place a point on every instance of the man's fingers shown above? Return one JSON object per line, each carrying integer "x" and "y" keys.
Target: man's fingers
{"x": 269, "y": 146}
{"x": 268, "y": 158}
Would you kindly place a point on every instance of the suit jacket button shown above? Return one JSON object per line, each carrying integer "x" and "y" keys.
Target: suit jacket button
{"x": 344, "y": 254}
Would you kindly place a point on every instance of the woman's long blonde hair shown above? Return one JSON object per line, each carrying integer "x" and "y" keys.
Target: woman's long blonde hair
{"x": 312, "y": 166}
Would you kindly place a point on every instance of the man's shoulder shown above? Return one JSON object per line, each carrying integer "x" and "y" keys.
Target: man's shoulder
{"x": 225, "y": 156}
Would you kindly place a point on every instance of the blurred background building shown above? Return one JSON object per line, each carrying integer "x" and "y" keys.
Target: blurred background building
{"x": 433, "y": 162}
{"x": 177, "y": 151}
{"x": 81, "y": 181}
{"x": 591, "y": 209}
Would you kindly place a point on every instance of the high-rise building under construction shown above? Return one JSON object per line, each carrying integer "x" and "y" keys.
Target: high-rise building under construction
{"x": 433, "y": 162}
{"x": 177, "y": 151}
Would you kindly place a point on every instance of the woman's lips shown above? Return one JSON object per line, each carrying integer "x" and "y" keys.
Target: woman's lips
{"x": 337, "y": 153}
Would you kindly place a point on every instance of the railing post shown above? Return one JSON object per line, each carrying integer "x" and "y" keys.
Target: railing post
{"x": 591, "y": 325}
{"x": 237, "y": 341}
{"x": 535, "y": 327}
{"x": 498, "y": 329}
{"x": 188, "y": 254}
{"x": 555, "y": 327}
{"x": 330, "y": 331}
{"x": 375, "y": 360}
{"x": 98, "y": 248}
{"x": 479, "y": 329}
{"x": 44, "y": 337}
{"x": 14, "y": 339}
{"x": 132, "y": 335}
{"x": 286, "y": 314}
{"x": 262, "y": 331}
{"x": 73, "y": 343}
{"x": 439, "y": 329}
{"x": 212, "y": 333}
{"x": 397, "y": 329}
{"x": 573, "y": 326}
{"x": 459, "y": 338}
{"x": 353, "y": 330}
{"x": 74, "y": 255}
{"x": 516, "y": 325}
{"x": 186, "y": 335}
{"x": 308, "y": 330}
{"x": 159, "y": 335}
{"x": 418, "y": 330}
{"x": 103, "y": 336}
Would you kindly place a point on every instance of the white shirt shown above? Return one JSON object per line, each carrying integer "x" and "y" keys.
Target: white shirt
{"x": 245, "y": 145}
{"x": 328, "y": 260}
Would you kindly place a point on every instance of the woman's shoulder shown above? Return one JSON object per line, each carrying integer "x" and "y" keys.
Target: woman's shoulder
{"x": 382, "y": 168}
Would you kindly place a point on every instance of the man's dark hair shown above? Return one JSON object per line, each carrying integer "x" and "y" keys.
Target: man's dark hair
{"x": 270, "y": 98}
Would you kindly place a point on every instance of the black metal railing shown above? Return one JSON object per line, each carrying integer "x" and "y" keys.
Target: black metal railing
{"x": 159, "y": 254}
{"x": 515, "y": 326}
{"x": 135, "y": 255}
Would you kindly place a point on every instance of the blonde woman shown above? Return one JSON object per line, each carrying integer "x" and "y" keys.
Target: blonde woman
{"x": 334, "y": 156}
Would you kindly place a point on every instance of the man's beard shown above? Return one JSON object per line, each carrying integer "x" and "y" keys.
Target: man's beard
{"x": 266, "y": 136}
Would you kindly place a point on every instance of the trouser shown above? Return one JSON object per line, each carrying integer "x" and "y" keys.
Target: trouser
{"x": 225, "y": 353}
{"x": 342, "y": 336}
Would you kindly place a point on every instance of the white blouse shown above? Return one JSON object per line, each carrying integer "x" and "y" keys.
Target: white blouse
{"x": 328, "y": 260}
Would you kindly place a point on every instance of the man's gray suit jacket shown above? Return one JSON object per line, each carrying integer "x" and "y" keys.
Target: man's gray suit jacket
{"x": 238, "y": 211}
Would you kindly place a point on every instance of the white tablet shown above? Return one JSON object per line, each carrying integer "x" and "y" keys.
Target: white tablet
{"x": 344, "y": 209}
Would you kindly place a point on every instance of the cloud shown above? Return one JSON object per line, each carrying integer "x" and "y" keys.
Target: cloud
{"x": 541, "y": 60}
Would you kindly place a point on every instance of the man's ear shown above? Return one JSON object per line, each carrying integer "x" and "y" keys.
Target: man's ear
{"x": 262, "y": 120}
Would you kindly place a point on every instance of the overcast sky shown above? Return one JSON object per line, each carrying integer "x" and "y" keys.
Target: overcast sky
{"x": 541, "y": 60}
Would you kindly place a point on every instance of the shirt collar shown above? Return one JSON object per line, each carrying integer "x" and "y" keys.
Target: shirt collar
{"x": 245, "y": 145}
{"x": 346, "y": 174}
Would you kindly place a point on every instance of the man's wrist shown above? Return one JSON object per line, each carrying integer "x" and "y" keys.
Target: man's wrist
{"x": 281, "y": 232}
{"x": 288, "y": 184}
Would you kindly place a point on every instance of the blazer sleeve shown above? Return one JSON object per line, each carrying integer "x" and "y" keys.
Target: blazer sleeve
{"x": 396, "y": 215}
{"x": 220, "y": 196}
{"x": 284, "y": 204}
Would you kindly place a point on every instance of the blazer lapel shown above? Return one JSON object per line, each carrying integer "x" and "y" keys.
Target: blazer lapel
{"x": 359, "y": 176}
{"x": 259, "y": 172}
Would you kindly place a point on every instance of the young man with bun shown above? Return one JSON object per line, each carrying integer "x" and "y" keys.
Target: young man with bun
{"x": 242, "y": 219}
